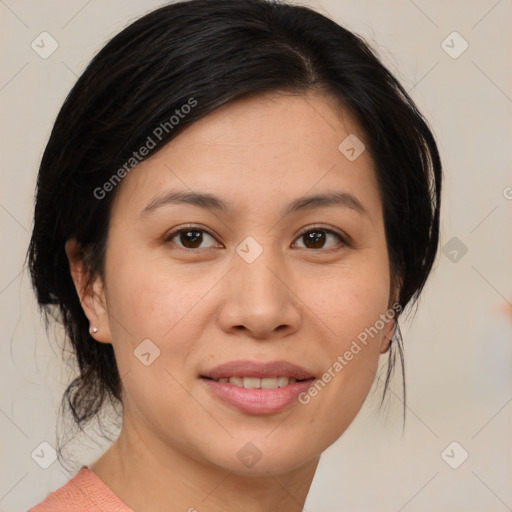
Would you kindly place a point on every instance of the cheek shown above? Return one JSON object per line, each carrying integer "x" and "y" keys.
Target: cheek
{"x": 153, "y": 299}
{"x": 351, "y": 299}
{"x": 162, "y": 304}
{"x": 350, "y": 305}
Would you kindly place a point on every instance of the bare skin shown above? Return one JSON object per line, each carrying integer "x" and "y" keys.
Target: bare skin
{"x": 202, "y": 306}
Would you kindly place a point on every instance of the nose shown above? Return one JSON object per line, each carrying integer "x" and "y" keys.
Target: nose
{"x": 259, "y": 298}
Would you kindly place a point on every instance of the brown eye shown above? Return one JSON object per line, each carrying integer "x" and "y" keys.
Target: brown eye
{"x": 316, "y": 238}
{"x": 190, "y": 238}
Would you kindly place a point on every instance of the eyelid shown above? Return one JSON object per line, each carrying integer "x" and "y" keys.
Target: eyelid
{"x": 321, "y": 228}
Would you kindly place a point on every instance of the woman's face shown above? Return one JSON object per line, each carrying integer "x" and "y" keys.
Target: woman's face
{"x": 275, "y": 279}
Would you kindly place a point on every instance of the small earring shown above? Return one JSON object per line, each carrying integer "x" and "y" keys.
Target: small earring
{"x": 94, "y": 330}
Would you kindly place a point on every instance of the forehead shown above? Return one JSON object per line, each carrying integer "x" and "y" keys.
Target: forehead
{"x": 259, "y": 151}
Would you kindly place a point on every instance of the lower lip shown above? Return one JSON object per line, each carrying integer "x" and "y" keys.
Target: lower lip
{"x": 258, "y": 401}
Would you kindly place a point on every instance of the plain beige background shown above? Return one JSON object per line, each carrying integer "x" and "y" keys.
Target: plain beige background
{"x": 458, "y": 347}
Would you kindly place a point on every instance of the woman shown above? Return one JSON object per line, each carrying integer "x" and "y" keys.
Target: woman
{"x": 236, "y": 203}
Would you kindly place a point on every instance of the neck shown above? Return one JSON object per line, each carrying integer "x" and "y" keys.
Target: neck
{"x": 148, "y": 475}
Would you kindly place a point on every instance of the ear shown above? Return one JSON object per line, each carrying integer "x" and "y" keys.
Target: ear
{"x": 388, "y": 334}
{"x": 92, "y": 298}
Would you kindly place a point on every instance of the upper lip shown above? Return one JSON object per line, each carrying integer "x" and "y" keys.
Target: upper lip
{"x": 259, "y": 369}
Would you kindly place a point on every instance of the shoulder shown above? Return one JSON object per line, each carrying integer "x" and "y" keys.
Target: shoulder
{"x": 85, "y": 492}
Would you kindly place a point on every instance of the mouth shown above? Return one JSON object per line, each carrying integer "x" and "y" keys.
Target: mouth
{"x": 258, "y": 383}
{"x": 257, "y": 388}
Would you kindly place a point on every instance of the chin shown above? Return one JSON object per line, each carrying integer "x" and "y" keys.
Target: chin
{"x": 261, "y": 454}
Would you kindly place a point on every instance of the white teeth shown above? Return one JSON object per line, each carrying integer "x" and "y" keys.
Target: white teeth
{"x": 237, "y": 381}
{"x": 282, "y": 381}
{"x": 269, "y": 383}
{"x": 252, "y": 382}
{"x": 256, "y": 383}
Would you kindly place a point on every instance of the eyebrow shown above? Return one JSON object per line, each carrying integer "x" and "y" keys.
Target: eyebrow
{"x": 211, "y": 202}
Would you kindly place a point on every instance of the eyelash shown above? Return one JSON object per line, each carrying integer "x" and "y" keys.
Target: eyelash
{"x": 337, "y": 247}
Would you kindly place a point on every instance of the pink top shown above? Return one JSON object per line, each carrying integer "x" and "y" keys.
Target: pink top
{"x": 85, "y": 492}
